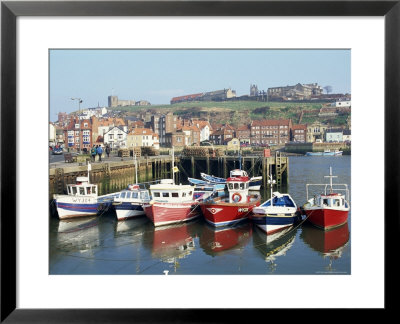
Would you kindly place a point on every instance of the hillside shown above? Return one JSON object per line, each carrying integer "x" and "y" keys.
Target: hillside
{"x": 242, "y": 112}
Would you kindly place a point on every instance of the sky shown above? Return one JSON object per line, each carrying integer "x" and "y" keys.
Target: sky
{"x": 159, "y": 75}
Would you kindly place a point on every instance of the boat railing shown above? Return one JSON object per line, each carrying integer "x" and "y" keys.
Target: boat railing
{"x": 332, "y": 189}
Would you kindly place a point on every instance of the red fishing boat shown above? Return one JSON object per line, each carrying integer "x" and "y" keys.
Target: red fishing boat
{"x": 329, "y": 209}
{"x": 235, "y": 207}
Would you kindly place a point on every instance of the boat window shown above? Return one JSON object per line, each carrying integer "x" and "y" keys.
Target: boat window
{"x": 135, "y": 195}
{"x": 94, "y": 189}
{"x": 325, "y": 202}
{"x": 156, "y": 194}
{"x": 231, "y": 186}
{"x": 143, "y": 195}
{"x": 81, "y": 191}
{"x": 165, "y": 194}
{"x": 88, "y": 190}
{"x": 174, "y": 194}
{"x": 236, "y": 185}
{"x": 128, "y": 195}
{"x": 183, "y": 194}
{"x": 190, "y": 193}
{"x": 123, "y": 194}
{"x": 69, "y": 190}
{"x": 242, "y": 186}
{"x": 74, "y": 190}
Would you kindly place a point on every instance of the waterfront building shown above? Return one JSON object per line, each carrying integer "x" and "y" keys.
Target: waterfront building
{"x": 78, "y": 134}
{"x": 316, "y": 131}
{"x": 141, "y": 137}
{"x": 275, "y": 132}
{"x": 243, "y": 134}
{"x": 115, "y": 137}
{"x": 299, "y": 133}
{"x": 334, "y": 135}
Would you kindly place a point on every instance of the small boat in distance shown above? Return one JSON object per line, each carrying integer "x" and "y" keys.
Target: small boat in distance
{"x": 325, "y": 153}
{"x": 277, "y": 213}
{"x": 330, "y": 208}
{"x": 235, "y": 207}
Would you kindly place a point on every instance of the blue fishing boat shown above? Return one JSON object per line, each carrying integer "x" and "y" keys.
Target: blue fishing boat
{"x": 255, "y": 182}
{"x": 277, "y": 213}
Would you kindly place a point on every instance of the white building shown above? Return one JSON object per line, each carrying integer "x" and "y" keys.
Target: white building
{"x": 89, "y": 112}
{"x": 115, "y": 137}
{"x": 52, "y": 134}
{"x": 340, "y": 103}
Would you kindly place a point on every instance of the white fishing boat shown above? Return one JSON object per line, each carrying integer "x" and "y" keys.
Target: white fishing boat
{"x": 81, "y": 199}
{"x": 171, "y": 203}
{"x": 130, "y": 201}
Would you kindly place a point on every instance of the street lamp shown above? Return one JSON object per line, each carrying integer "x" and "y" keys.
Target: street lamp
{"x": 79, "y": 121}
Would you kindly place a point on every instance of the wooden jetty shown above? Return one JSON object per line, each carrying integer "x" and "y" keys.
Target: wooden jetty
{"x": 112, "y": 176}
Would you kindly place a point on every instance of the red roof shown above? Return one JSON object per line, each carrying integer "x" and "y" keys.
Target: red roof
{"x": 270, "y": 122}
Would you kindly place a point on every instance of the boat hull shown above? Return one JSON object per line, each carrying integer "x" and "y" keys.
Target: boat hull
{"x": 169, "y": 213}
{"x": 127, "y": 210}
{"x": 70, "y": 207}
{"x": 326, "y": 218}
{"x": 223, "y": 214}
{"x": 272, "y": 223}
{"x": 255, "y": 183}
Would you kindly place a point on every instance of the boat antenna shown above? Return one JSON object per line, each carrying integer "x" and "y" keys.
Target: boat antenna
{"x": 271, "y": 182}
{"x": 330, "y": 176}
{"x": 240, "y": 161}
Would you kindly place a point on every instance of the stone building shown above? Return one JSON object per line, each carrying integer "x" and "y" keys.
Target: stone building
{"x": 299, "y": 133}
{"x": 298, "y": 91}
{"x": 113, "y": 101}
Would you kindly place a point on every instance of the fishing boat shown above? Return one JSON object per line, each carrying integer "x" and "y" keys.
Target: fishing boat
{"x": 171, "y": 203}
{"x": 254, "y": 184}
{"x": 201, "y": 183}
{"x": 130, "y": 201}
{"x": 277, "y": 213}
{"x": 81, "y": 199}
{"x": 325, "y": 153}
{"x": 330, "y": 208}
{"x": 202, "y": 192}
{"x": 233, "y": 208}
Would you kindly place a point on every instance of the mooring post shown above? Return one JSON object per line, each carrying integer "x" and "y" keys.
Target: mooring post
{"x": 225, "y": 168}
{"x": 193, "y": 167}
{"x": 264, "y": 171}
{"x": 252, "y": 167}
{"x": 208, "y": 165}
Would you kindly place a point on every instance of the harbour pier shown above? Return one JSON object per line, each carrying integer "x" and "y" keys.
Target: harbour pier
{"x": 115, "y": 174}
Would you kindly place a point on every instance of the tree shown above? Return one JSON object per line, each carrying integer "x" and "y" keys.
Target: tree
{"x": 328, "y": 88}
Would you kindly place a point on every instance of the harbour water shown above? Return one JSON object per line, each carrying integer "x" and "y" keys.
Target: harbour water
{"x": 102, "y": 245}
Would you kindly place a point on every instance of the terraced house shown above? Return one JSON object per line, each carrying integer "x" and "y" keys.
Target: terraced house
{"x": 270, "y": 132}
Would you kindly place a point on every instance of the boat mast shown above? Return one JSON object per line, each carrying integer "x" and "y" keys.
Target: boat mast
{"x": 89, "y": 167}
{"x": 136, "y": 173}
{"x": 330, "y": 176}
{"x": 173, "y": 165}
{"x": 271, "y": 182}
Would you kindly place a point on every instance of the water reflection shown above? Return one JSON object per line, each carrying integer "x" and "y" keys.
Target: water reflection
{"x": 171, "y": 242}
{"x": 216, "y": 241}
{"x": 274, "y": 245}
{"x": 77, "y": 234}
{"x": 329, "y": 244}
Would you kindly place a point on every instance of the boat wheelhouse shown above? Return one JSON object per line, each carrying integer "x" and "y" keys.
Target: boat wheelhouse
{"x": 330, "y": 208}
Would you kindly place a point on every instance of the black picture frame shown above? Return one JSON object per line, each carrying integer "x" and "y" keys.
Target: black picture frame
{"x": 10, "y": 10}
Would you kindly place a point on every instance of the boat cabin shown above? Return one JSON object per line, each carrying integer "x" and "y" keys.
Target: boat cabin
{"x": 330, "y": 200}
{"x": 82, "y": 187}
{"x": 238, "y": 188}
{"x": 238, "y": 173}
{"x": 133, "y": 192}
{"x": 167, "y": 191}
